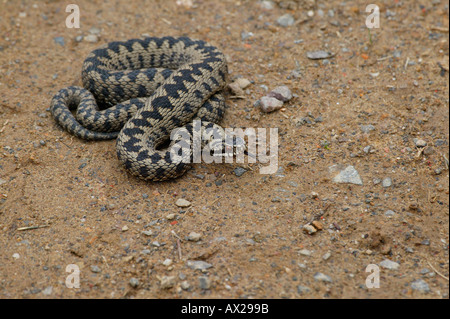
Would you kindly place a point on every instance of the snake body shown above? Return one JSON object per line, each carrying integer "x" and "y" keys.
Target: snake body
{"x": 139, "y": 91}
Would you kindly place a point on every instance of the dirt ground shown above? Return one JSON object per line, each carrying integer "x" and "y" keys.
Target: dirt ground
{"x": 379, "y": 103}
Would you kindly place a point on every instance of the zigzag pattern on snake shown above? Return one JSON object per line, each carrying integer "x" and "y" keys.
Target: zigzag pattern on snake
{"x": 139, "y": 91}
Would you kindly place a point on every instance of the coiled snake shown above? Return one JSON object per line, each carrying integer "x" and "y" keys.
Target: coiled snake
{"x": 146, "y": 88}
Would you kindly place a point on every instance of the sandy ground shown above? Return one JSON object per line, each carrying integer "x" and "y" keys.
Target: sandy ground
{"x": 372, "y": 105}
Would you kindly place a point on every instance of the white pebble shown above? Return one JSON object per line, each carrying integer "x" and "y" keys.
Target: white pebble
{"x": 270, "y": 104}
{"x": 92, "y": 38}
{"x": 193, "y": 236}
{"x": 181, "y": 202}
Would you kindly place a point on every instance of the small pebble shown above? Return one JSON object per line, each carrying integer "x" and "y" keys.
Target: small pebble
{"x": 47, "y": 291}
{"x": 367, "y": 128}
{"x": 282, "y": 93}
{"x": 204, "y": 282}
{"x": 170, "y": 216}
{"x": 326, "y": 256}
{"x": 147, "y": 232}
{"x": 420, "y": 285}
{"x": 309, "y": 229}
{"x": 387, "y": 182}
{"x": 167, "y": 262}
{"x": 322, "y": 277}
{"x": 389, "y": 264}
{"x": 16, "y": 256}
{"x": 239, "y": 171}
{"x": 286, "y": 20}
{"x": 243, "y": 83}
{"x": 92, "y": 38}
{"x": 389, "y": 213}
{"x": 59, "y": 40}
{"x": 267, "y": 5}
{"x": 95, "y": 269}
{"x": 167, "y": 282}
{"x": 185, "y": 285}
{"x": 198, "y": 264}
{"x": 317, "y": 55}
{"x": 270, "y": 104}
{"x": 134, "y": 283}
{"x": 305, "y": 252}
{"x": 181, "y": 202}
{"x": 193, "y": 236}
{"x": 420, "y": 142}
{"x": 318, "y": 225}
{"x": 347, "y": 175}
{"x": 94, "y": 30}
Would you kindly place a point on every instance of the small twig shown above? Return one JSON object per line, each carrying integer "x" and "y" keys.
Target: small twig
{"x": 226, "y": 267}
{"x": 32, "y": 227}
{"x": 445, "y": 161}
{"x": 385, "y": 58}
{"x": 176, "y": 236}
{"x": 434, "y": 28}
{"x": 4, "y": 125}
{"x": 435, "y": 270}
{"x": 180, "y": 256}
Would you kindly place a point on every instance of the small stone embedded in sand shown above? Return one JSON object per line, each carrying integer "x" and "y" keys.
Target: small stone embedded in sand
{"x": 346, "y": 175}
{"x": 181, "y": 202}
{"x": 309, "y": 229}
{"x": 198, "y": 264}
{"x": 420, "y": 285}
{"x": 243, "y": 83}
{"x": 389, "y": 264}
{"x": 193, "y": 236}
{"x": 286, "y": 20}
{"x": 317, "y": 55}
{"x": 282, "y": 93}
{"x": 167, "y": 282}
{"x": 387, "y": 182}
{"x": 322, "y": 277}
{"x": 91, "y": 38}
{"x": 270, "y": 104}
